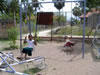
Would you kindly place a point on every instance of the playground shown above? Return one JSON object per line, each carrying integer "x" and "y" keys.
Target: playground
{"x": 60, "y": 63}
{"x": 58, "y": 37}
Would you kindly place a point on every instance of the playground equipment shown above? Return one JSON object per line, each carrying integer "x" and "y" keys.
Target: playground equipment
{"x": 80, "y": 1}
{"x": 96, "y": 41}
{"x": 5, "y": 64}
{"x": 94, "y": 22}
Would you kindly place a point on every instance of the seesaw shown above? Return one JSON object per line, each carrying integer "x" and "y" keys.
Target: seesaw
{"x": 6, "y": 64}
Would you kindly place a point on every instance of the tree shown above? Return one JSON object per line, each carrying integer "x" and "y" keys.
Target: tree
{"x": 36, "y": 5}
{"x": 12, "y": 36}
{"x": 2, "y": 5}
{"x": 14, "y": 8}
{"x": 59, "y": 6}
{"x": 76, "y": 12}
{"x": 92, "y": 3}
{"x": 24, "y": 0}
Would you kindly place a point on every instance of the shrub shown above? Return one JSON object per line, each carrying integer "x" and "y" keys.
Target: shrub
{"x": 12, "y": 36}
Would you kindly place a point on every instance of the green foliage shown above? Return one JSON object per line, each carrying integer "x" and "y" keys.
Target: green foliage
{"x": 13, "y": 46}
{"x": 65, "y": 30}
{"x": 36, "y": 4}
{"x": 12, "y": 36}
{"x": 87, "y": 30}
{"x": 32, "y": 71}
{"x": 9, "y": 9}
{"x": 14, "y": 6}
{"x": 76, "y": 11}
{"x": 37, "y": 39}
{"x": 4, "y": 16}
{"x": 4, "y": 43}
{"x": 92, "y": 3}
{"x": 25, "y": 29}
{"x": 75, "y": 31}
{"x": 60, "y": 18}
{"x": 2, "y": 6}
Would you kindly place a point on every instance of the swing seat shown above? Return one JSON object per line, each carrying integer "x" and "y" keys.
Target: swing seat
{"x": 69, "y": 44}
{"x": 68, "y": 47}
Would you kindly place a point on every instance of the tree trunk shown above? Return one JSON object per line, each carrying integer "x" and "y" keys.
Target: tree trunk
{"x": 14, "y": 19}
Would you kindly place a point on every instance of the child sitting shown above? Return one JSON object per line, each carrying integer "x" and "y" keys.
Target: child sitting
{"x": 68, "y": 43}
{"x": 30, "y": 47}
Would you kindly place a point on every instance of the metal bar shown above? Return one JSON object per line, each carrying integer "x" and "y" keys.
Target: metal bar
{"x": 18, "y": 73}
{"x": 1, "y": 69}
{"x": 20, "y": 27}
{"x": 36, "y": 24}
{"x": 95, "y": 38}
{"x": 83, "y": 41}
{"x": 8, "y": 64}
{"x": 9, "y": 56}
{"x": 25, "y": 61}
{"x": 51, "y": 33}
{"x": 29, "y": 25}
{"x": 51, "y": 2}
{"x": 3, "y": 61}
{"x": 71, "y": 20}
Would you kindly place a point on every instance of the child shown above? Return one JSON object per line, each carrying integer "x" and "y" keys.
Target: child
{"x": 30, "y": 47}
{"x": 68, "y": 43}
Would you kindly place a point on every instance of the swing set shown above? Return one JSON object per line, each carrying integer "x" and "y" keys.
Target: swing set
{"x": 4, "y": 56}
{"x": 96, "y": 39}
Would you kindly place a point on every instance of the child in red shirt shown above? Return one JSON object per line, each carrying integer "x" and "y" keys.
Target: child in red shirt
{"x": 68, "y": 43}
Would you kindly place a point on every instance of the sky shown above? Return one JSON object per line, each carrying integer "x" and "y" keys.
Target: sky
{"x": 49, "y": 7}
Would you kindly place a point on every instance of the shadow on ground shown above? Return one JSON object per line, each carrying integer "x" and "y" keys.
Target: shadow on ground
{"x": 77, "y": 50}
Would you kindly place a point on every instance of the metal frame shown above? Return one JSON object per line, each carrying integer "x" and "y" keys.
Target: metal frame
{"x": 97, "y": 41}
{"x": 83, "y": 41}
{"x": 4, "y": 58}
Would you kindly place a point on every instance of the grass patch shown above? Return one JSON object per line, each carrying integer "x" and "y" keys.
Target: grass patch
{"x": 32, "y": 71}
{"x": 75, "y": 31}
{"x": 4, "y": 44}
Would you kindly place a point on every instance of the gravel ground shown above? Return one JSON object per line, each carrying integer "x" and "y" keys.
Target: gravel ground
{"x": 59, "y": 62}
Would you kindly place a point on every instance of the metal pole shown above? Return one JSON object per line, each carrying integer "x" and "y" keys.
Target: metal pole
{"x": 20, "y": 27}
{"x": 36, "y": 23}
{"x": 83, "y": 41}
{"x": 59, "y": 18}
{"x": 12, "y": 69}
{"x": 52, "y": 2}
{"x": 71, "y": 19}
{"x": 29, "y": 26}
{"x": 51, "y": 33}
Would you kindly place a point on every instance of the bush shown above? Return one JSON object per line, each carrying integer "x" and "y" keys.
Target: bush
{"x": 12, "y": 36}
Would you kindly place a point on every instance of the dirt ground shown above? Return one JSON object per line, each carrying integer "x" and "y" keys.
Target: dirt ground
{"x": 59, "y": 62}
